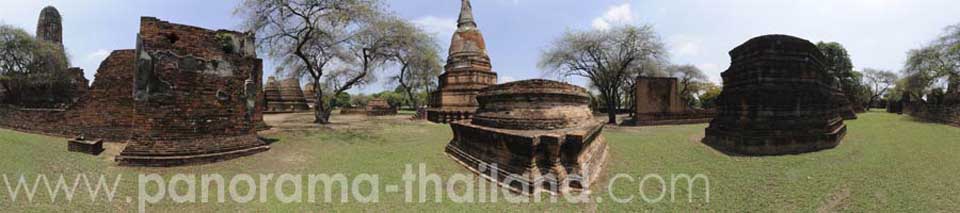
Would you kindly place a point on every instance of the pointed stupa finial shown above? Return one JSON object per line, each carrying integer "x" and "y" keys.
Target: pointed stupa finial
{"x": 466, "y": 16}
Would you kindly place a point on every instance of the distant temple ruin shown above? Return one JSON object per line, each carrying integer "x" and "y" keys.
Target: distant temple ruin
{"x": 50, "y": 26}
{"x": 380, "y": 107}
{"x": 658, "y": 103}
{"x": 777, "y": 99}
{"x": 309, "y": 94}
{"x": 468, "y": 70}
{"x": 531, "y": 136}
{"x": 284, "y": 96}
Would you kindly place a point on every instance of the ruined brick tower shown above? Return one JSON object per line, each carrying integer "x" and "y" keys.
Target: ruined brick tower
{"x": 468, "y": 71}
{"x": 195, "y": 95}
{"x": 49, "y": 26}
{"x": 776, "y": 100}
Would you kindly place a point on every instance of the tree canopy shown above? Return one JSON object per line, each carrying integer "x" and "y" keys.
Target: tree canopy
{"x": 33, "y": 73}
{"x": 605, "y": 57}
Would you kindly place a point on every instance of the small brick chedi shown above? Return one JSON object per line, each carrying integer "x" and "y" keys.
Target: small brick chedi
{"x": 380, "y": 107}
{"x": 777, "y": 99}
{"x": 285, "y": 96}
{"x": 195, "y": 96}
{"x": 467, "y": 71}
{"x": 532, "y": 135}
{"x": 658, "y": 103}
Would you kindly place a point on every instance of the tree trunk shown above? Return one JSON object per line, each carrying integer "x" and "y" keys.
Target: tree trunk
{"x": 407, "y": 89}
{"x": 321, "y": 113}
{"x": 611, "y": 112}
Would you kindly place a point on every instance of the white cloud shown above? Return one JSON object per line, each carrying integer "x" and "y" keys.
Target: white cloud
{"x": 619, "y": 14}
{"x": 98, "y": 55}
{"x": 437, "y": 25}
{"x": 683, "y": 45}
{"x": 91, "y": 62}
{"x": 505, "y": 79}
{"x": 712, "y": 70}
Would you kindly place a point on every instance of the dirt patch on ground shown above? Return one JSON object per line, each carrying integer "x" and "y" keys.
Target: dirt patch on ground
{"x": 304, "y": 121}
{"x": 837, "y": 201}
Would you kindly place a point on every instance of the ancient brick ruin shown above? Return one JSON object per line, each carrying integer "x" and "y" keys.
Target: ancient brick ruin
{"x": 380, "y": 107}
{"x": 284, "y": 96}
{"x": 107, "y": 110}
{"x": 195, "y": 96}
{"x": 49, "y": 25}
{"x": 185, "y": 95}
{"x": 467, "y": 71}
{"x": 777, "y": 99}
{"x": 531, "y": 136}
{"x": 658, "y": 103}
{"x": 309, "y": 94}
{"x": 82, "y": 145}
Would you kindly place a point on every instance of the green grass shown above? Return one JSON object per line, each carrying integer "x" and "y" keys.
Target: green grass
{"x": 886, "y": 163}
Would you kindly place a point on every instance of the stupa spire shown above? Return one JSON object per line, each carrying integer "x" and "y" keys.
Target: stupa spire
{"x": 466, "y": 20}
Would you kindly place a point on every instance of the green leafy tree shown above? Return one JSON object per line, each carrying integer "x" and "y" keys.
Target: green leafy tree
{"x": 711, "y": 91}
{"x": 839, "y": 65}
{"x": 33, "y": 73}
{"x": 935, "y": 65}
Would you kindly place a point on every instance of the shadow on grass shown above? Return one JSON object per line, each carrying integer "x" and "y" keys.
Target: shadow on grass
{"x": 269, "y": 141}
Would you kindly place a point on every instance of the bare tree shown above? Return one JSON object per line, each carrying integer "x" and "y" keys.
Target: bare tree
{"x": 879, "y": 82}
{"x": 311, "y": 36}
{"x": 605, "y": 57}
{"x": 691, "y": 80}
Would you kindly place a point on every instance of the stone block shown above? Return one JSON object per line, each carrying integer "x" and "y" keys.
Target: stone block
{"x": 80, "y": 144}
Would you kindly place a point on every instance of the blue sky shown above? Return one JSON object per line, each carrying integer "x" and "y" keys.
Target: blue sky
{"x": 876, "y": 32}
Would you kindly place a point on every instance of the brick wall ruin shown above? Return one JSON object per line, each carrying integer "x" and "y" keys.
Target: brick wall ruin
{"x": 185, "y": 95}
{"x": 196, "y": 95}
{"x": 659, "y": 103}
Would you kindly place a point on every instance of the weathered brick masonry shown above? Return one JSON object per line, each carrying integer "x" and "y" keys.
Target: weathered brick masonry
{"x": 658, "y": 103}
{"x": 196, "y": 96}
{"x": 539, "y": 133}
{"x": 777, "y": 99}
{"x": 185, "y": 95}
{"x": 105, "y": 111}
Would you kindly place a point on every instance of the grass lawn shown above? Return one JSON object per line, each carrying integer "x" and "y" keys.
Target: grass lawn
{"x": 886, "y": 163}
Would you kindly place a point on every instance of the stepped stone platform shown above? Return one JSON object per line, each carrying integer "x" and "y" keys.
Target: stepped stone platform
{"x": 777, "y": 99}
{"x": 531, "y": 136}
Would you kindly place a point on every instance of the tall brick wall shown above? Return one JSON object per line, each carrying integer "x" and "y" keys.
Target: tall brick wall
{"x": 188, "y": 85}
{"x": 196, "y": 96}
